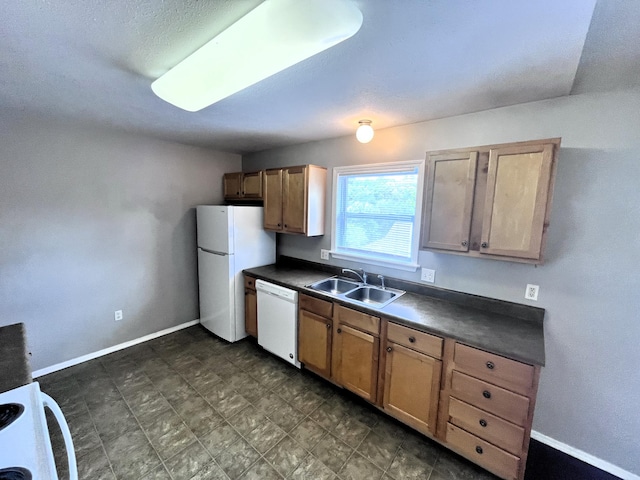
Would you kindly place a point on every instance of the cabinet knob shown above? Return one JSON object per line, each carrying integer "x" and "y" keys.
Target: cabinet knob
{"x": 237, "y": 193}
{"x": 285, "y": 225}
{"x": 389, "y": 349}
{"x": 486, "y": 394}
{"x": 279, "y": 225}
{"x": 291, "y": 355}
{"x": 412, "y": 339}
{"x": 484, "y": 244}
{"x": 479, "y": 449}
{"x": 328, "y": 325}
{"x": 464, "y": 243}
{"x": 483, "y": 422}
{"x": 339, "y": 330}
{"x": 490, "y": 365}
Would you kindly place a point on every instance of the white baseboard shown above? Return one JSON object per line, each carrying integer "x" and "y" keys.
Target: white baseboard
{"x": 115, "y": 348}
{"x": 584, "y": 456}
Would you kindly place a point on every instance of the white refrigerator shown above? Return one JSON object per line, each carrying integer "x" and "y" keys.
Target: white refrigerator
{"x": 230, "y": 239}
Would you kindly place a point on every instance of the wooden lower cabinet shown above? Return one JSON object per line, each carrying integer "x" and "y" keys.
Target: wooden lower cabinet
{"x": 476, "y": 403}
{"x": 486, "y": 408}
{"x": 315, "y": 327}
{"x": 356, "y": 352}
{"x": 412, "y": 387}
{"x": 250, "y": 307}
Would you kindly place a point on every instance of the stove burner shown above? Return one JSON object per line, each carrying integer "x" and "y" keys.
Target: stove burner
{"x": 9, "y": 413}
{"x": 15, "y": 473}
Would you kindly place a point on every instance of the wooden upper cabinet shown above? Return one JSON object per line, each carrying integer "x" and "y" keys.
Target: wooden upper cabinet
{"x": 449, "y": 200}
{"x": 294, "y": 199}
{"x": 232, "y": 185}
{"x": 242, "y": 186}
{"x": 516, "y": 200}
{"x": 273, "y": 199}
{"x": 252, "y": 185}
{"x": 491, "y": 201}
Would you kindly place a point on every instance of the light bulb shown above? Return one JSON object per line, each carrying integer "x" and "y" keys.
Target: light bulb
{"x": 364, "y": 133}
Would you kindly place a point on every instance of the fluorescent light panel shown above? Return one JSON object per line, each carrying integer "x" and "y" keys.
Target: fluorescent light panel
{"x": 270, "y": 38}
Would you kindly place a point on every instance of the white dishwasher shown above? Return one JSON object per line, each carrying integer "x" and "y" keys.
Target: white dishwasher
{"x": 278, "y": 320}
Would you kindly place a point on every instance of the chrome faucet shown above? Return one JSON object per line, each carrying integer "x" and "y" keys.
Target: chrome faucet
{"x": 381, "y": 277}
{"x": 362, "y": 277}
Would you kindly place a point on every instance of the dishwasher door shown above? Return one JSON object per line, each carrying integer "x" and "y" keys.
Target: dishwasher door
{"x": 278, "y": 320}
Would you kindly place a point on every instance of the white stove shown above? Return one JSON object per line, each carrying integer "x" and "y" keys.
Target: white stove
{"x": 25, "y": 446}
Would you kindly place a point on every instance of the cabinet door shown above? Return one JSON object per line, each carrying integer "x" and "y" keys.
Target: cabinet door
{"x": 251, "y": 313}
{"x": 449, "y": 201}
{"x": 232, "y": 185}
{"x": 252, "y": 185}
{"x": 314, "y": 342}
{"x": 516, "y": 200}
{"x": 294, "y": 206}
{"x": 412, "y": 387}
{"x": 356, "y": 361}
{"x": 273, "y": 199}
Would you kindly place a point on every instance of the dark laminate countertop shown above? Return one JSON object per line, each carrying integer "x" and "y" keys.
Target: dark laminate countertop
{"x": 14, "y": 364}
{"x": 486, "y": 328}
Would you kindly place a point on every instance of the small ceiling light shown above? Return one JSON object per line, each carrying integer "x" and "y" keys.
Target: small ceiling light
{"x": 273, "y": 36}
{"x": 364, "y": 133}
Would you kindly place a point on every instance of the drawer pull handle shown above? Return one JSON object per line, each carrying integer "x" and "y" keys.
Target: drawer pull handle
{"x": 339, "y": 330}
{"x": 483, "y": 422}
{"x": 389, "y": 349}
{"x": 479, "y": 449}
{"x": 328, "y": 325}
{"x": 485, "y": 394}
{"x": 490, "y": 365}
{"x": 412, "y": 339}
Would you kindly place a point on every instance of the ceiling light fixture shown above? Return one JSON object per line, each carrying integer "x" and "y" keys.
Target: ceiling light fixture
{"x": 273, "y": 36}
{"x": 364, "y": 133}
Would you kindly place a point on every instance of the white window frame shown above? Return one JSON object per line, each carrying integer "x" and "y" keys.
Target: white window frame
{"x": 402, "y": 166}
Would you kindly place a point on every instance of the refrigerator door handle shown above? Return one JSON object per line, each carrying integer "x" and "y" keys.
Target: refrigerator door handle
{"x": 212, "y": 251}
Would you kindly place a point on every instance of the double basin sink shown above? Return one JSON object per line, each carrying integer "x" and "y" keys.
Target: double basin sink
{"x": 356, "y": 292}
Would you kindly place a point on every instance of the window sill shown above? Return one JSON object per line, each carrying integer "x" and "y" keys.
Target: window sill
{"x": 409, "y": 267}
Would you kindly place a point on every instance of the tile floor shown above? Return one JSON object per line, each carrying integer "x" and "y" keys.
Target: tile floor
{"x": 190, "y": 406}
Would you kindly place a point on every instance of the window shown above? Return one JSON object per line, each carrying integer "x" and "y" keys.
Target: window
{"x": 376, "y": 213}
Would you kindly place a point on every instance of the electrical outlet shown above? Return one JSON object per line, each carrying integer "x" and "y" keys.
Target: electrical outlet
{"x": 324, "y": 254}
{"x": 428, "y": 275}
{"x": 531, "y": 293}
{"x": 118, "y": 315}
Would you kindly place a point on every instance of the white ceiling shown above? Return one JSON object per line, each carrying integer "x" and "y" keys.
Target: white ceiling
{"x": 413, "y": 60}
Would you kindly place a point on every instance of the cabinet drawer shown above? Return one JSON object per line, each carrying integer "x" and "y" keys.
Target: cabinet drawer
{"x": 503, "y": 403}
{"x": 504, "y": 434}
{"x": 250, "y": 283}
{"x": 362, "y": 321}
{"x": 494, "y": 368}
{"x": 420, "y": 341}
{"x": 483, "y": 453}
{"x": 315, "y": 305}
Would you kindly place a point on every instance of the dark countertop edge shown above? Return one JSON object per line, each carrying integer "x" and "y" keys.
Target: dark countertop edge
{"x": 319, "y": 274}
{"x": 14, "y": 360}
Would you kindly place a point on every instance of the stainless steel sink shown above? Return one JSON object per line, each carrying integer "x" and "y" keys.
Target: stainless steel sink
{"x": 354, "y": 292}
{"x": 334, "y": 285}
{"x": 373, "y": 296}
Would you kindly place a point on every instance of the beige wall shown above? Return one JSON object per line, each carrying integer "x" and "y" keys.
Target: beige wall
{"x": 589, "y": 286}
{"x": 93, "y": 221}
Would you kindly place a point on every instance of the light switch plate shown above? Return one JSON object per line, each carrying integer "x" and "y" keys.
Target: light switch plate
{"x": 117, "y": 315}
{"x": 324, "y": 254}
{"x": 428, "y": 275}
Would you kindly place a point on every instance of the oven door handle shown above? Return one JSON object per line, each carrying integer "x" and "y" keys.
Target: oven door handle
{"x": 66, "y": 434}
